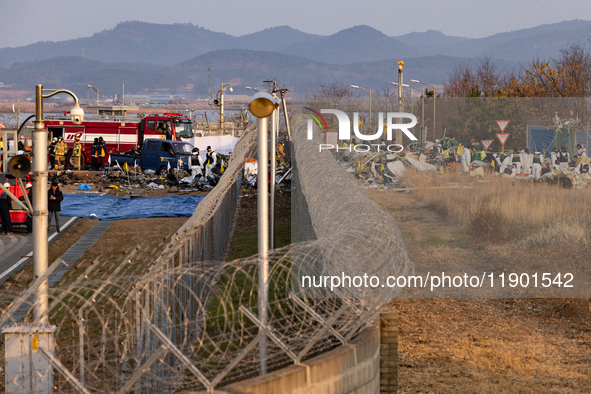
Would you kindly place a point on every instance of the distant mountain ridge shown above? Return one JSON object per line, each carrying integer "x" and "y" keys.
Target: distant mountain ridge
{"x": 236, "y": 66}
{"x": 170, "y": 44}
{"x": 175, "y": 57}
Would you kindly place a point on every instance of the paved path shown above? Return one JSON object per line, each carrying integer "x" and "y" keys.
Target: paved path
{"x": 17, "y": 249}
{"x": 74, "y": 253}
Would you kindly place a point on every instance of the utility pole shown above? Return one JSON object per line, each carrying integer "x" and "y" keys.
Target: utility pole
{"x": 400, "y": 108}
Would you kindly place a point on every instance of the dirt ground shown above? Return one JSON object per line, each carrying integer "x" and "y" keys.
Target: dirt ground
{"x": 484, "y": 345}
{"x": 116, "y": 184}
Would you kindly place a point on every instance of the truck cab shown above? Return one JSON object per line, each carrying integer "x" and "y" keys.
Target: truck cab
{"x": 168, "y": 126}
{"x": 160, "y": 155}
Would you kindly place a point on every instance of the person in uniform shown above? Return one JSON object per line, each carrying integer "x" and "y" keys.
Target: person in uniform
{"x": 102, "y": 152}
{"x": 76, "y": 154}
{"x": 563, "y": 158}
{"x": 52, "y": 152}
{"x": 210, "y": 161}
{"x": 537, "y": 162}
{"x": 60, "y": 154}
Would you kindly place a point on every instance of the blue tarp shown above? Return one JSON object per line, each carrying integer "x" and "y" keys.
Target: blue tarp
{"x": 540, "y": 138}
{"x": 112, "y": 208}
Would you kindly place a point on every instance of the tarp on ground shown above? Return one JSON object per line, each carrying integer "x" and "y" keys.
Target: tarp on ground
{"x": 113, "y": 208}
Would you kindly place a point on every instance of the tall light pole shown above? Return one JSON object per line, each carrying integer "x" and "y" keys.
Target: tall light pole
{"x": 411, "y": 93}
{"x": 434, "y": 97}
{"x": 97, "y": 93}
{"x": 222, "y": 103}
{"x": 263, "y": 105}
{"x": 35, "y": 371}
{"x": 368, "y": 91}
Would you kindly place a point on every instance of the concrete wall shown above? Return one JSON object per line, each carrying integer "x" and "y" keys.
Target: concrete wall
{"x": 349, "y": 369}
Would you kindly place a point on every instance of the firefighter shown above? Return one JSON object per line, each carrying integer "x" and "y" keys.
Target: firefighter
{"x": 94, "y": 155}
{"x": 537, "y": 162}
{"x": 280, "y": 155}
{"x": 563, "y": 158}
{"x": 76, "y": 153}
{"x": 102, "y": 152}
{"x": 60, "y": 154}
{"x": 52, "y": 152}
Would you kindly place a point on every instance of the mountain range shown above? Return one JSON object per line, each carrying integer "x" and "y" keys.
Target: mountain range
{"x": 174, "y": 58}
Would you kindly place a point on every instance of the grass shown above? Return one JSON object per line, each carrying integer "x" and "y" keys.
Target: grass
{"x": 519, "y": 210}
{"x": 244, "y": 243}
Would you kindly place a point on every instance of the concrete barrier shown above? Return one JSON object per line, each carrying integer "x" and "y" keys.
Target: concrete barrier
{"x": 353, "y": 368}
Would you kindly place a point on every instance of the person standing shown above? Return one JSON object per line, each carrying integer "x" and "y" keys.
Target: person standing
{"x": 210, "y": 161}
{"x": 526, "y": 163}
{"x": 563, "y": 158}
{"x": 102, "y": 152}
{"x": 554, "y": 164}
{"x": 537, "y": 162}
{"x": 52, "y": 152}
{"x": 196, "y": 164}
{"x": 5, "y": 203}
{"x": 54, "y": 198}
{"x": 465, "y": 164}
{"x": 60, "y": 154}
{"x": 94, "y": 155}
{"x": 76, "y": 153}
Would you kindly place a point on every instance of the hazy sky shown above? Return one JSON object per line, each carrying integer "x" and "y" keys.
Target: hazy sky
{"x": 27, "y": 21}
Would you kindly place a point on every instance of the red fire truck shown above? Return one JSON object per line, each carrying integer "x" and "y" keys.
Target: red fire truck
{"x": 120, "y": 133}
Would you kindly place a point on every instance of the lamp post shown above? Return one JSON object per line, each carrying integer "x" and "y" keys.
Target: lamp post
{"x": 412, "y": 110}
{"x": 434, "y": 97}
{"x": 222, "y": 103}
{"x": 263, "y": 105}
{"x": 97, "y": 93}
{"x": 23, "y": 355}
{"x": 368, "y": 91}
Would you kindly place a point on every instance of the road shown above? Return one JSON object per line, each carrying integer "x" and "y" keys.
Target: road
{"x": 15, "y": 248}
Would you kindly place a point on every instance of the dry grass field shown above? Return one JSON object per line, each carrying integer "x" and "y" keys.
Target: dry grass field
{"x": 480, "y": 345}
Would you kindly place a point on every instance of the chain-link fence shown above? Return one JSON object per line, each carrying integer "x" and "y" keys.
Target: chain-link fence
{"x": 191, "y": 322}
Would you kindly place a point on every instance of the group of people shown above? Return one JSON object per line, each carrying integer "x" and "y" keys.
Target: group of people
{"x": 58, "y": 150}
{"x": 54, "y": 197}
{"x": 209, "y": 170}
{"x": 520, "y": 161}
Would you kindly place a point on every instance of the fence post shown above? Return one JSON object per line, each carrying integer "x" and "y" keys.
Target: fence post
{"x": 388, "y": 352}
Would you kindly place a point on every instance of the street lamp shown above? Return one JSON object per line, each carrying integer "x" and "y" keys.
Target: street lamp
{"x": 40, "y": 222}
{"x": 224, "y": 85}
{"x": 97, "y": 93}
{"x": 411, "y": 93}
{"x": 368, "y": 91}
{"x": 434, "y": 96}
{"x": 40, "y": 373}
{"x": 263, "y": 105}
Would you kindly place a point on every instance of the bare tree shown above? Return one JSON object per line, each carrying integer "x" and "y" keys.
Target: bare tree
{"x": 465, "y": 82}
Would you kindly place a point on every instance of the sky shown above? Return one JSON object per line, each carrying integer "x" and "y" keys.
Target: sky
{"x": 28, "y": 21}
